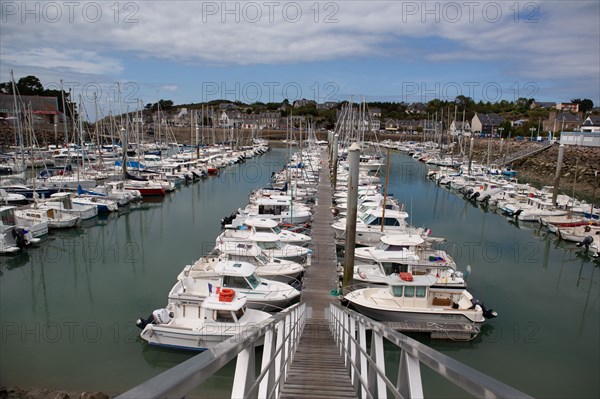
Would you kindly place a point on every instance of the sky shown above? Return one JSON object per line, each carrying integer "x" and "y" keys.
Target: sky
{"x": 126, "y": 53}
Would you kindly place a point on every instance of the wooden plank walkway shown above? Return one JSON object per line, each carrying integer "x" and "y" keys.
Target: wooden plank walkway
{"x": 317, "y": 370}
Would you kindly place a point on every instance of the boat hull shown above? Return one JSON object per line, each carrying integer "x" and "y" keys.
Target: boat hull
{"x": 415, "y": 316}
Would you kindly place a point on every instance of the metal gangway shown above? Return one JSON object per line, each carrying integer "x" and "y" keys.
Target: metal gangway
{"x": 360, "y": 359}
{"x": 526, "y": 153}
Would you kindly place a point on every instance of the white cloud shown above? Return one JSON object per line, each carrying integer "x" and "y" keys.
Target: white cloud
{"x": 563, "y": 43}
{"x": 74, "y": 61}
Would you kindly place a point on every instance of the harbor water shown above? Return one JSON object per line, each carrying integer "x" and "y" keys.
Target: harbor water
{"x": 67, "y": 308}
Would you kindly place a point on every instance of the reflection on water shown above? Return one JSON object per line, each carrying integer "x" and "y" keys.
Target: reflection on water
{"x": 163, "y": 358}
{"x": 77, "y": 295}
{"x": 545, "y": 291}
{"x": 68, "y": 306}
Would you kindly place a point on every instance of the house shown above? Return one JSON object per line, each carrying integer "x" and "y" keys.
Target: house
{"x": 226, "y": 106}
{"x": 295, "y": 121}
{"x": 375, "y": 125}
{"x": 540, "y": 104}
{"x": 416, "y": 108}
{"x": 486, "y": 123}
{"x": 327, "y": 105}
{"x": 518, "y": 122}
{"x": 269, "y": 120}
{"x": 459, "y": 127}
{"x": 428, "y": 125}
{"x": 591, "y": 124}
{"x": 230, "y": 118}
{"x": 375, "y": 112}
{"x": 391, "y": 125}
{"x": 567, "y": 107}
{"x": 584, "y": 139}
{"x": 303, "y": 103}
{"x": 563, "y": 121}
{"x": 249, "y": 121}
{"x": 43, "y": 108}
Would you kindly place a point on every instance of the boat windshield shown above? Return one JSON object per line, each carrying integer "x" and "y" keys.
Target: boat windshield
{"x": 235, "y": 282}
{"x": 8, "y": 217}
{"x": 270, "y": 245}
{"x": 263, "y": 259}
{"x": 409, "y": 291}
{"x": 367, "y": 219}
{"x": 253, "y": 280}
{"x": 381, "y": 246}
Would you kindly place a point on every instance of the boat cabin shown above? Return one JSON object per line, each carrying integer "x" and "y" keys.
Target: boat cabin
{"x": 392, "y": 218}
{"x": 7, "y": 215}
{"x": 399, "y": 242}
{"x": 238, "y": 275}
{"x": 240, "y": 251}
{"x": 64, "y": 198}
{"x": 261, "y": 225}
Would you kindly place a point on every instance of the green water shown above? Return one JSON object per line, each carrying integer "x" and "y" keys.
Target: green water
{"x": 67, "y": 308}
{"x": 546, "y": 339}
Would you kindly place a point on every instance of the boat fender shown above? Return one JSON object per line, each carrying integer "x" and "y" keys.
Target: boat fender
{"x": 362, "y": 275}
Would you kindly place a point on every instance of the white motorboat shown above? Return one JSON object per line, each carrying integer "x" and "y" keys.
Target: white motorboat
{"x": 37, "y": 228}
{"x": 539, "y": 207}
{"x": 271, "y": 268}
{"x": 12, "y": 237}
{"x": 199, "y": 326}
{"x": 409, "y": 298}
{"x": 405, "y": 253}
{"x": 368, "y": 226}
{"x": 193, "y": 284}
{"x": 281, "y": 210}
{"x": 578, "y": 233}
{"x": 261, "y": 225}
{"x": 56, "y": 218}
{"x": 269, "y": 243}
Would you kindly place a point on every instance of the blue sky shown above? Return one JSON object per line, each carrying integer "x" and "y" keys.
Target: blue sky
{"x": 191, "y": 51}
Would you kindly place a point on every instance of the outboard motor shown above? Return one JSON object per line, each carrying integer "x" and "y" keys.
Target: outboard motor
{"x": 468, "y": 192}
{"x": 586, "y": 242}
{"x": 487, "y": 313}
{"x": 228, "y": 219}
{"x": 475, "y": 195}
{"x": 142, "y": 323}
{"x": 486, "y": 199}
{"x": 19, "y": 236}
{"x": 517, "y": 213}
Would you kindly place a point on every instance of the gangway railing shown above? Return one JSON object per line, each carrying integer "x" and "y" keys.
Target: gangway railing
{"x": 528, "y": 152}
{"x": 279, "y": 335}
{"x": 367, "y": 368}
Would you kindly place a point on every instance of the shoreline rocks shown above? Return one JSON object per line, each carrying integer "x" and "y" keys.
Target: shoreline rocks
{"x": 47, "y": 393}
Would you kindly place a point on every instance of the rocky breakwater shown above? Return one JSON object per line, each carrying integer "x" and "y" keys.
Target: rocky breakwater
{"x": 580, "y": 165}
{"x": 45, "y": 393}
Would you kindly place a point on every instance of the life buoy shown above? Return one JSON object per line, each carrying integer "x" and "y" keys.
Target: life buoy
{"x": 226, "y": 295}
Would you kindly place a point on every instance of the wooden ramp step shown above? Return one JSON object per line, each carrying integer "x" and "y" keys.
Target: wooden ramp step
{"x": 317, "y": 370}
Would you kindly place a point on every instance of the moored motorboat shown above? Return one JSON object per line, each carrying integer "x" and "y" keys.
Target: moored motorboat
{"x": 412, "y": 298}
{"x": 195, "y": 282}
{"x": 199, "y": 326}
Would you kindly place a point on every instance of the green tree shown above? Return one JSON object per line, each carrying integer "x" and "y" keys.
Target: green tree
{"x": 584, "y": 105}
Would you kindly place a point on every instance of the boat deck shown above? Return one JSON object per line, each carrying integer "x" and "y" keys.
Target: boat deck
{"x": 318, "y": 370}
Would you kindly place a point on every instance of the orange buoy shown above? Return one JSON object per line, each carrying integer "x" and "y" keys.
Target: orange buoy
{"x": 226, "y": 295}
